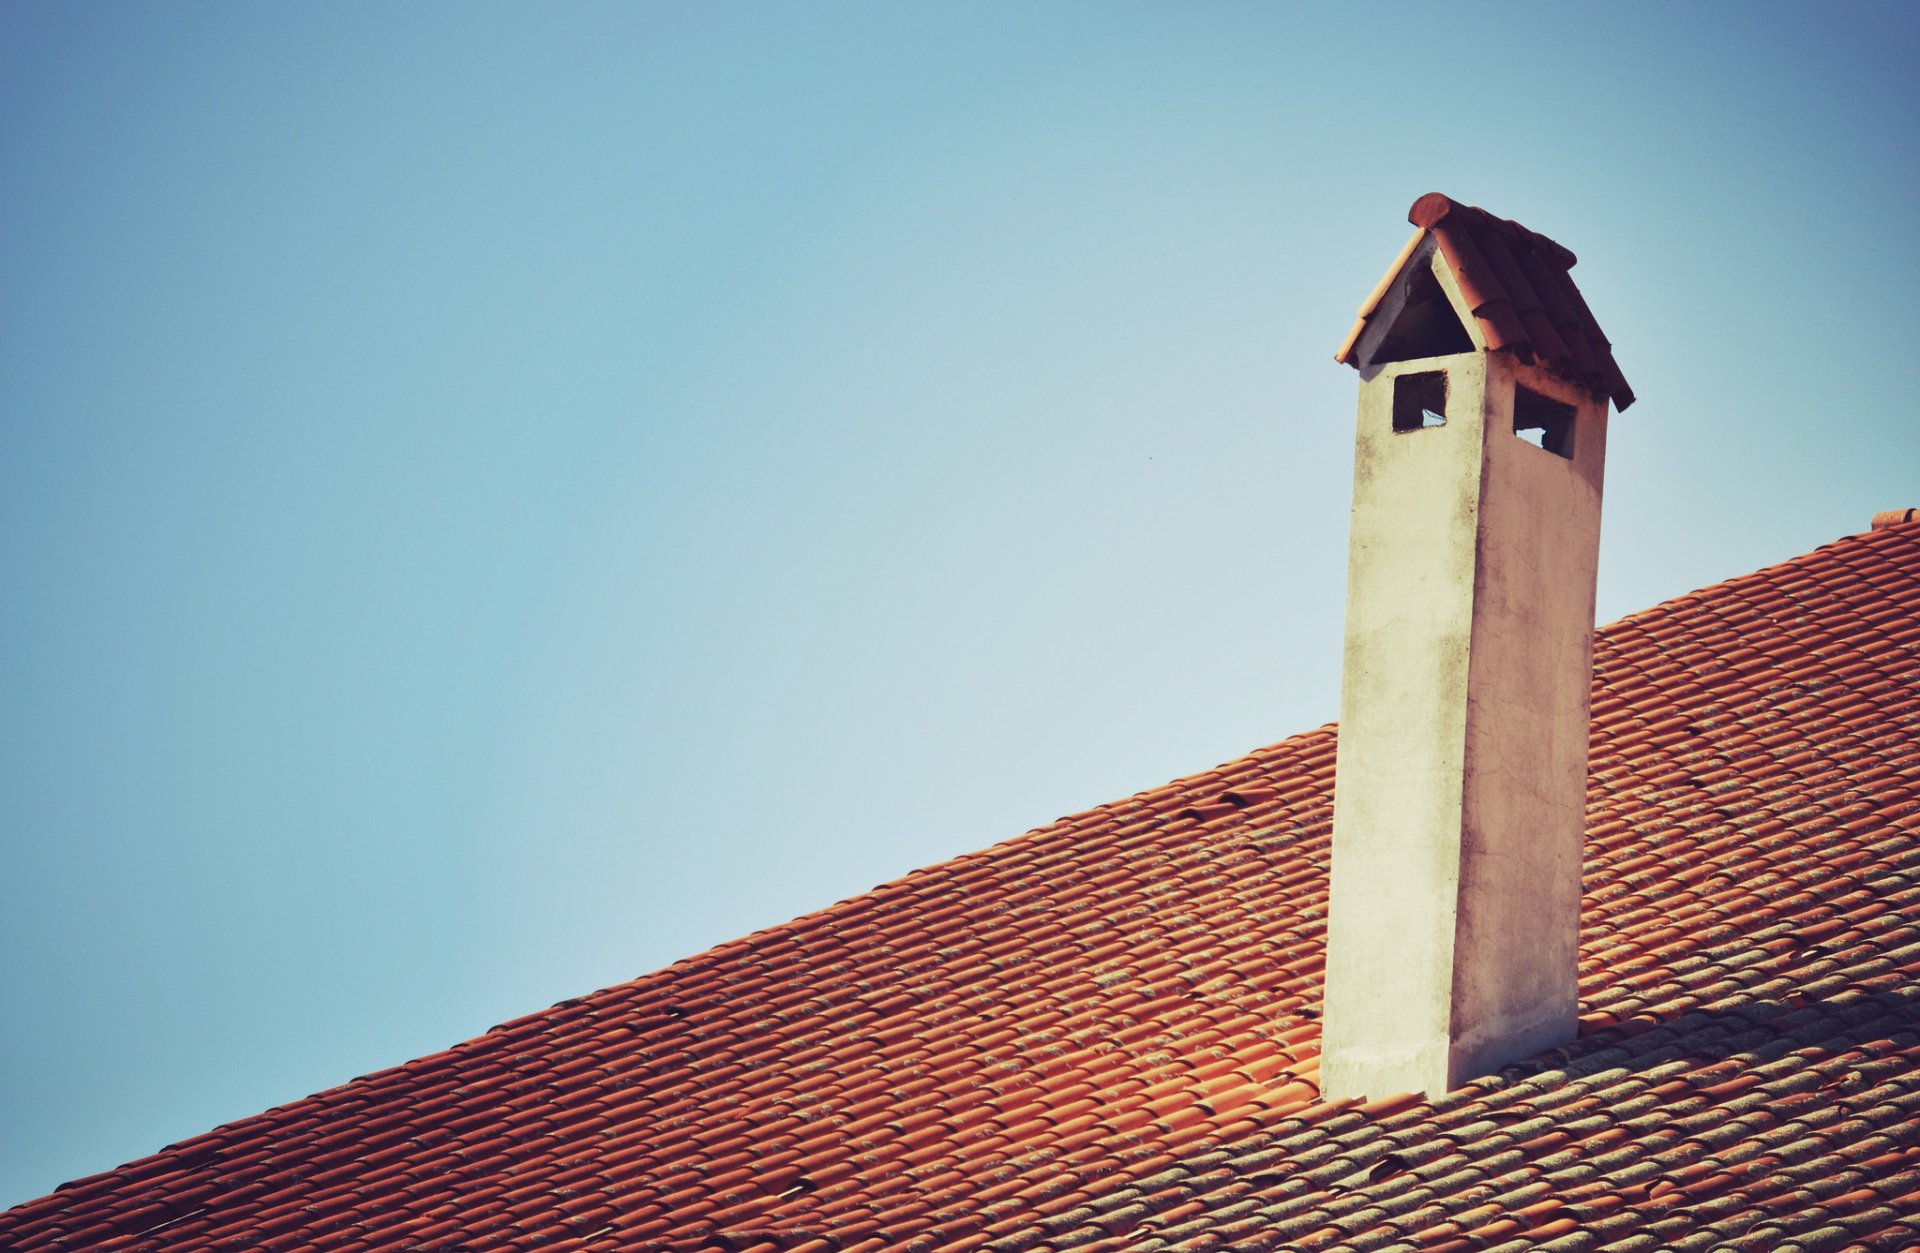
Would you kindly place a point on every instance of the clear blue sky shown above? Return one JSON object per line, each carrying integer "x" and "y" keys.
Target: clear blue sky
{"x": 498, "y": 498}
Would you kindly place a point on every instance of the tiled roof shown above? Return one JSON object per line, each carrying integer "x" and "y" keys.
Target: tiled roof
{"x": 1517, "y": 284}
{"x": 1102, "y": 1035}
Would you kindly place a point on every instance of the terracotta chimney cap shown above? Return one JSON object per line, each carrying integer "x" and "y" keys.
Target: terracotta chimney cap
{"x": 1517, "y": 289}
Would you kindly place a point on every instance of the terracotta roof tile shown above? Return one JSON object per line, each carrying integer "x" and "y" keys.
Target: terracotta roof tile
{"x": 1518, "y": 286}
{"x": 1104, "y": 1034}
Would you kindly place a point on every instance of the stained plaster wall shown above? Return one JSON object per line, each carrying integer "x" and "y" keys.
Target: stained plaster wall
{"x": 1460, "y": 783}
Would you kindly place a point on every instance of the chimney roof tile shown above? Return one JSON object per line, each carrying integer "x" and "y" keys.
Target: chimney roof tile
{"x": 1516, "y": 283}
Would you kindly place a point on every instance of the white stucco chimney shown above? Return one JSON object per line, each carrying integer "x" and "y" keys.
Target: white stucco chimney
{"x": 1460, "y": 789}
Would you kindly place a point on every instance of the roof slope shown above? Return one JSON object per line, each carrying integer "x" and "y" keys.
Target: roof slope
{"x": 1102, "y": 1035}
{"x": 1517, "y": 284}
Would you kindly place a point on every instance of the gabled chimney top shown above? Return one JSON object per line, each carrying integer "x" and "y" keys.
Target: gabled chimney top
{"x": 1516, "y": 291}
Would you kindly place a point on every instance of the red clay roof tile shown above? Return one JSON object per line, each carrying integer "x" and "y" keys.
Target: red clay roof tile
{"x": 1104, "y": 1033}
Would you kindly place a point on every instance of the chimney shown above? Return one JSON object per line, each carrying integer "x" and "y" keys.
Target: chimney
{"x": 1460, "y": 790}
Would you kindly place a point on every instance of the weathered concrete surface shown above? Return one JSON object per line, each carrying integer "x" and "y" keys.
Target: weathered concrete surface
{"x": 1403, "y": 700}
{"x": 1460, "y": 786}
{"x": 1529, "y": 684}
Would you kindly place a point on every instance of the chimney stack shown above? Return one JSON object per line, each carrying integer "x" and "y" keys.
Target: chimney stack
{"x": 1460, "y": 790}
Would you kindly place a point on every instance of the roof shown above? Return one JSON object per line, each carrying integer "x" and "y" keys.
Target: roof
{"x": 1102, "y": 1035}
{"x": 1516, "y": 283}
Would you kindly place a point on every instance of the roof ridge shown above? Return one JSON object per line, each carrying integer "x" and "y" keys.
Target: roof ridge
{"x": 801, "y": 923}
{"x": 1035, "y": 834}
{"x": 1432, "y": 208}
{"x": 1651, "y": 612}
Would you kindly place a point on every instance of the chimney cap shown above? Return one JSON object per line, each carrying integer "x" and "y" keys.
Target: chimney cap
{"x": 1516, "y": 285}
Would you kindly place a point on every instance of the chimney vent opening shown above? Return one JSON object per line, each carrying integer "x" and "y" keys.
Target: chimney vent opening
{"x": 1420, "y": 400}
{"x": 1542, "y": 422}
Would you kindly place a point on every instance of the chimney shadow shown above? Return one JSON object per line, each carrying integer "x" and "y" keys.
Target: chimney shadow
{"x": 1763, "y": 1028}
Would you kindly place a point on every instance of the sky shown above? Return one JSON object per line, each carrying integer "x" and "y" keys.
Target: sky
{"x": 499, "y": 498}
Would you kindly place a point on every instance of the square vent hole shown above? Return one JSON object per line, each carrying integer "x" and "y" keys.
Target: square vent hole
{"x": 1420, "y": 400}
{"x": 1542, "y": 422}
